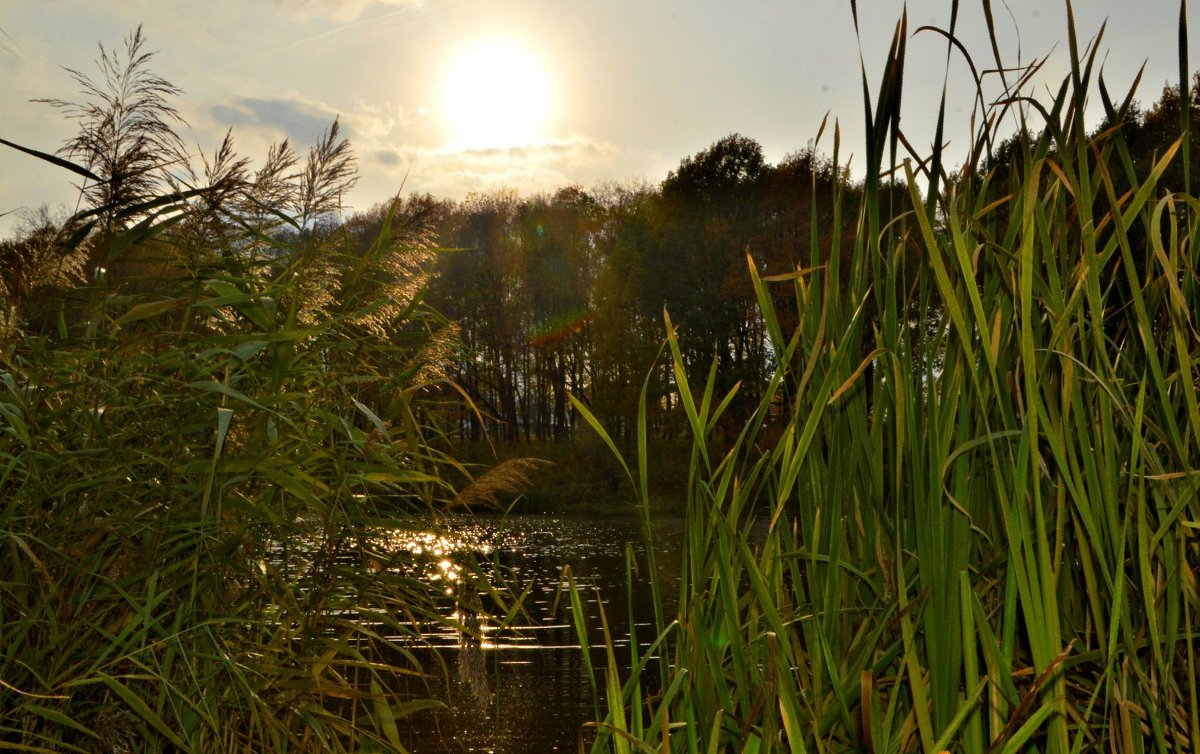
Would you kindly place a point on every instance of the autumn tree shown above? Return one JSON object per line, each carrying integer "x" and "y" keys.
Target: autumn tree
{"x": 627, "y": 322}
{"x": 699, "y": 265}
{"x": 559, "y": 268}
{"x": 478, "y": 285}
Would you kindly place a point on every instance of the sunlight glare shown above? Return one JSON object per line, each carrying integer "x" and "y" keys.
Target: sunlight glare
{"x": 495, "y": 97}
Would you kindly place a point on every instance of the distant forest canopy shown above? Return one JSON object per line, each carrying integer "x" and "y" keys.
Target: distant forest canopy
{"x": 564, "y": 293}
{"x": 552, "y": 295}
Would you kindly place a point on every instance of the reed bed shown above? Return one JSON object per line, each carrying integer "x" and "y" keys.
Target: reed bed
{"x": 982, "y": 503}
{"x": 193, "y": 472}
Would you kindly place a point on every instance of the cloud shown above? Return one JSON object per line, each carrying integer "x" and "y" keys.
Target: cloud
{"x": 387, "y": 157}
{"x": 302, "y": 121}
{"x": 534, "y": 168}
{"x": 338, "y": 10}
{"x": 374, "y": 119}
{"x": 573, "y": 147}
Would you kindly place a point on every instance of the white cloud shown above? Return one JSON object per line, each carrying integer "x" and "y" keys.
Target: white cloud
{"x": 337, "y": 10}
{"x": 544, "y": 166}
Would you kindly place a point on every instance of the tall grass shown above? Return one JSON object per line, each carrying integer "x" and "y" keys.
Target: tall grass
{"x": 982, "y": 509}
{"x": 193, "y": 471}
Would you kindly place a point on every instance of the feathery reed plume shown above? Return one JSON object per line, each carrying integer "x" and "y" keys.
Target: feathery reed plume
{"x": 510, "y": 477}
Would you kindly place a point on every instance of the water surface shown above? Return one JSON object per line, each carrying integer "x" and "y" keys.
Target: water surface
{"x": 523, "y": 687}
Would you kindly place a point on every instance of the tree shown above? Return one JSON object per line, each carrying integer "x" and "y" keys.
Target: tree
{"x": 699, "y": 270}
{"x": 626, "y": 333}
{"x": 478, "y": 284}
{"x": 559, "y": 269}
{"x": 716, "y": 175}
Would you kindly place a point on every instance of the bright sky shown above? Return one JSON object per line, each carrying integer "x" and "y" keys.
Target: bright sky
{"x": 455, "y": 96}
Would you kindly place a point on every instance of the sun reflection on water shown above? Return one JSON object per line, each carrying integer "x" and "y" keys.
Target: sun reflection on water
{"x": 435, "y": 554}
{"x": 513, "y": 669}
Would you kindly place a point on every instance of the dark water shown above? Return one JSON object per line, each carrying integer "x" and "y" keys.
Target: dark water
{"x": 523, "y": 687}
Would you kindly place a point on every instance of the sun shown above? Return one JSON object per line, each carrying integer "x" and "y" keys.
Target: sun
{"x": 495, "y": 96}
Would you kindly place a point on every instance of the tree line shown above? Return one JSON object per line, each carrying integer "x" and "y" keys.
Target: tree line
{"x": 563, "y": 294}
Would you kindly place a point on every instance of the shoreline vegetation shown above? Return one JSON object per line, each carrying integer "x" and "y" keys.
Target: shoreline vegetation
{"x": 982, "y": 510}
{"x": 961, "y": 404}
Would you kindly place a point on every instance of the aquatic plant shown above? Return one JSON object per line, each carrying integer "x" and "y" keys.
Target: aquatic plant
{"x": 982, "y": 505}
{"x": 196, "y": 458}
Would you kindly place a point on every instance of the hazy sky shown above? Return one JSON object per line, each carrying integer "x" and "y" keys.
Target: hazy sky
{"x": 607, "y": 89}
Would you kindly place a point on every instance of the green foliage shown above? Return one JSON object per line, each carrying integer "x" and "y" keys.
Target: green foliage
{"x": 975, "y": 527}
{"x": 942, "y": 480}
{"x": 195, "y": 491}
{"x": 202, "y": 450}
